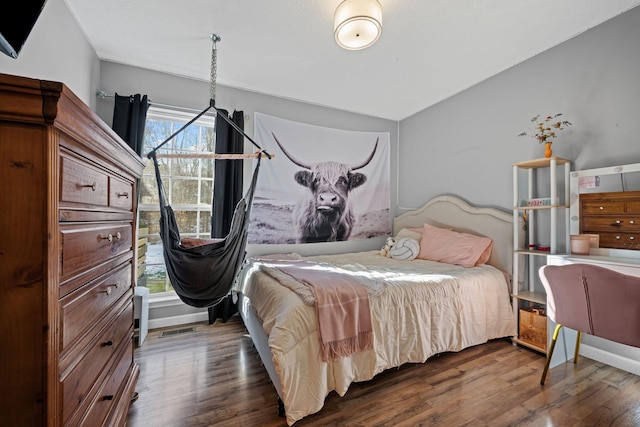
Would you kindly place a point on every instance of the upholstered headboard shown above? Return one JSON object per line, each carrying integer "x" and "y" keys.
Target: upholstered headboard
{"x": 453, "y": 212}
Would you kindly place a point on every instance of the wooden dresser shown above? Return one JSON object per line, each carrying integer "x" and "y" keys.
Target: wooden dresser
{"x": 614, "y": 216}
{"x": 67, "y": 227}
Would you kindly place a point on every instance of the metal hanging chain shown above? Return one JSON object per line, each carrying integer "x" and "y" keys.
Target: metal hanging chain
{"x": 212, "y": 104}
{"x": 214, "y": 66}
{"x": 212, "y": 91}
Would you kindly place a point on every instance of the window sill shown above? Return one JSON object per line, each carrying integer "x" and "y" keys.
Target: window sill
{"x": 160, "y": 301}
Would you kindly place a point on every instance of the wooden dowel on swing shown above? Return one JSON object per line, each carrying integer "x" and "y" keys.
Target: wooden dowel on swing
{"x": 211, "y": 156}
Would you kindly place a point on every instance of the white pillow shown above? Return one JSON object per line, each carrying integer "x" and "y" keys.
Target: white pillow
{"x": 414, "y": 233}
{"x": 405, "y": 249}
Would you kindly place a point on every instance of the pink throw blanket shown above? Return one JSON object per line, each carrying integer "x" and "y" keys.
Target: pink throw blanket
{"x": 342, "y": 307}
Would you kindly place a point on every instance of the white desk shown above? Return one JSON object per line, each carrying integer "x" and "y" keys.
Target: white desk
{"x": 630, "y": 266}
{"x": 618, "y": 355}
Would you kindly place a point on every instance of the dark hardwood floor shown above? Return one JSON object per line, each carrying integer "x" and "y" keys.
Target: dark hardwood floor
{"x": 212, "y": 376}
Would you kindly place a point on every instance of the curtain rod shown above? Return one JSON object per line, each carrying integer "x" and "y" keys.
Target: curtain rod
{"x": 102, "y": 95}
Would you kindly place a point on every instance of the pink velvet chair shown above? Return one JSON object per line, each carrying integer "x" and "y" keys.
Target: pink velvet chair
{"x": 592, "y": 300}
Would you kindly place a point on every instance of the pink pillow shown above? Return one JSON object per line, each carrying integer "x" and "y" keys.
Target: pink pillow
{"x": 453, "y": 247}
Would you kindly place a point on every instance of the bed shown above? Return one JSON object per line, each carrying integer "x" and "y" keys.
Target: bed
{"x": 424, "y": 308}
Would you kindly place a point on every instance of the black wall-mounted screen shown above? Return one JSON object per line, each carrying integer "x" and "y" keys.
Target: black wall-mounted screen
{"x": 15, "y": 26}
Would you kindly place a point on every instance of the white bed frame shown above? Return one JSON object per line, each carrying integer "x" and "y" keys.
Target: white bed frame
{"x": 455, "y": 213}
{"x": 442, "y": 211}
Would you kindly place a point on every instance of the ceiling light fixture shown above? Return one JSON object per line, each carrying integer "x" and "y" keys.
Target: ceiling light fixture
{"x": 357, "y": 23}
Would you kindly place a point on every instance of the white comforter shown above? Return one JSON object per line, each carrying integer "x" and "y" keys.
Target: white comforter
{"x": 426, "y": 308}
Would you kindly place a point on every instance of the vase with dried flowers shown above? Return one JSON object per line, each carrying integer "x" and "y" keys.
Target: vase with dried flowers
{"x": 546, "y": 130}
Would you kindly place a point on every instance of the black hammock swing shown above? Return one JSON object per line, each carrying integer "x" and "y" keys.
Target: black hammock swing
{"x": 202, "y": 275}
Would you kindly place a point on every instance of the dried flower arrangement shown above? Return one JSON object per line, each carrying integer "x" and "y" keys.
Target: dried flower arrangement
{"x": 548, "y": 128}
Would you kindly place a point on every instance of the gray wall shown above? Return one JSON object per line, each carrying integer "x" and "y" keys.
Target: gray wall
{"x": 467, "y": 144}
{"x": 57, "y": 50}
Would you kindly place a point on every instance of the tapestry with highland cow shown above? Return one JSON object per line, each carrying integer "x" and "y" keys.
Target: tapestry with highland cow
{"x": 323, "y": 185}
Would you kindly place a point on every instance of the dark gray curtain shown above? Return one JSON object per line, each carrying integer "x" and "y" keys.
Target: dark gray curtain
{"x": 129, "y": 117}
{"x": 227, "y": 191}
{"x": 227, "y": 181}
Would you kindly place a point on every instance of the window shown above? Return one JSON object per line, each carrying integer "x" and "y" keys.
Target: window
{"x": 188, "y": 185}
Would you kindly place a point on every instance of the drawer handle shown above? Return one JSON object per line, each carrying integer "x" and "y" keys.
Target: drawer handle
{"x": 125, "y": 194}
{"x": 92, "y": 186}
{"x": 110, "y": 237}
{"x": 108, "y": 397}
{"x": 632, "y": 222}
{"x": 107, "y": 343}
{"x": 618, "y": 221}
{"x": 601, "y": 208}
{"x": 617, "y": 237}
{"x": 110, "y": 288}
{"x": 632, "y": 238}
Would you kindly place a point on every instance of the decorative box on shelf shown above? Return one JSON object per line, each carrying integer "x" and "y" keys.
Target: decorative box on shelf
{"x": 538, "y": 202}
{"x": 533, "y": 326}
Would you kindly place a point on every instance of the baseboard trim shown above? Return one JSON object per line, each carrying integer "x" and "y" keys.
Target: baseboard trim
{"x": 610, "y": 359}
{"x": 183, "y": 319}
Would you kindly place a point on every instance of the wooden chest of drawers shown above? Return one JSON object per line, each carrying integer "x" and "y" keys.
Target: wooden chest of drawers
{"x": 66, "y": 260}
{"x": 614, "y": 216}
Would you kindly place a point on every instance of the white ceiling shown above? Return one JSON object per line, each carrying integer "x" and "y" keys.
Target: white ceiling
{"x": 429, "y": 49}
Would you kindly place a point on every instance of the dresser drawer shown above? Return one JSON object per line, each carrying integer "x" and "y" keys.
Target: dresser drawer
{"x": 611, "y": 203}
{"x": 78, "y": 384}
{"x": 111, "y": 388}
{"x": 120, "y": 194}
{"x": 620, "y": 240}
{"x": 83, "y": 184}
{"x": 87, "y": 245}
{"x": 611, "y": 223}
{"x": 84, "y": 309}
{"x": 603, "y": 208}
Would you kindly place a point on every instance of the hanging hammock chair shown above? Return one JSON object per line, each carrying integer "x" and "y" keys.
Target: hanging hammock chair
{"x": 202, "y": 271}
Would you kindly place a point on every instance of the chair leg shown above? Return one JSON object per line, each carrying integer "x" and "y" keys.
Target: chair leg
{"x": 577, "y": 353}
{"x": 550, "y": 353}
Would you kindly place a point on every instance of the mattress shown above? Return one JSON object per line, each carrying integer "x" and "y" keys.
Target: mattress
{"x": 426, "y": 308}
